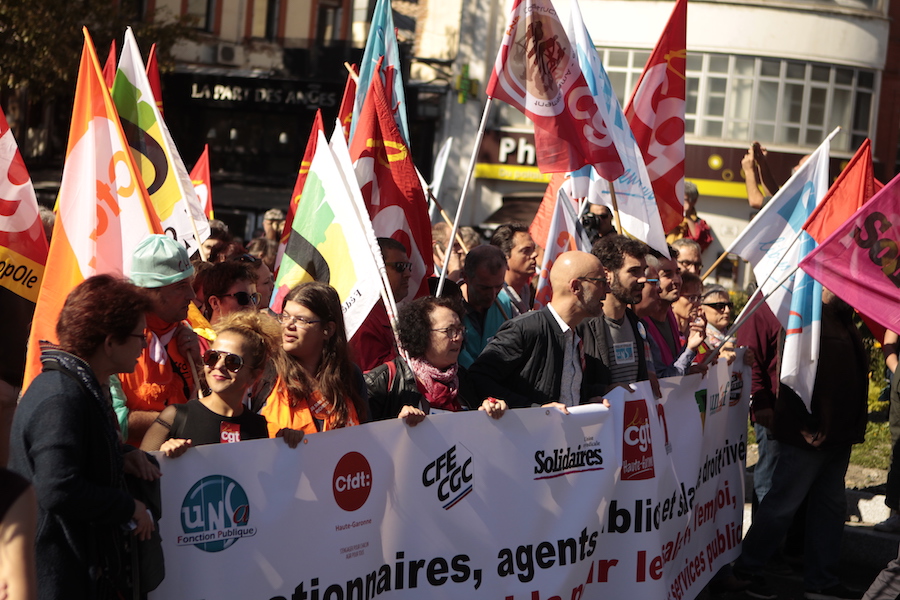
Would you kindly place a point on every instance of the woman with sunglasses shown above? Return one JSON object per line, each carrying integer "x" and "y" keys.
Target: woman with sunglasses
{"x": 432, "y": 334}
{"x": 719, "y": 310}
{"x": 244, "y": 343}
{"x": 229, "y": 287}
{"x": 318, "y": 388}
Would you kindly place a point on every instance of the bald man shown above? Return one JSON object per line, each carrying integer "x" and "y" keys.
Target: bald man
{"x": 537, "y": 358}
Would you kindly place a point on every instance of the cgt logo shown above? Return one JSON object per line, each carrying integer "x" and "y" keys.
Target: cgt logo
{"x": 637, "y": 447}
{"x": 215, "y": 514}
{"x": 452, "y": 472}
{"x": 352, "y": 481}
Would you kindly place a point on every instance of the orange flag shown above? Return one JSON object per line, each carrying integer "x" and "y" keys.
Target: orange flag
{"x": 298, "y": 185}
{"x": 104, "y": 210}
{"x": 202, "y": 184}
{"x": 540, "y": 226}
{"x": 854, "y": 187}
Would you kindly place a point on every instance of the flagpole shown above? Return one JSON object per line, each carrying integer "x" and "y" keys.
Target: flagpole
{"x": 469, "y": 172}
{"x": 615, "y": 207}
{"x": 745, "y": 315}
{"x": 714, "y": 265}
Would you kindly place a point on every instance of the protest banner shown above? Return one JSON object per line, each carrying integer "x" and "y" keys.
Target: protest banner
{"x": 643, "y": 499}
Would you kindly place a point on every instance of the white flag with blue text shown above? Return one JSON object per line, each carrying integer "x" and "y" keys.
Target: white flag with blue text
{"x": 638, "y": 211}
{"x": 775, "y": 243}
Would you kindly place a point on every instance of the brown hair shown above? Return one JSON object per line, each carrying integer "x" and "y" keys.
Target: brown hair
{"x": 259, "y": 330}
{"x": 100, "y": 306}
{"x": 336, "y": 376}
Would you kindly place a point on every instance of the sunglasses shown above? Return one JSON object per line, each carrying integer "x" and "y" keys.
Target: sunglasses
{"x": 233, "y": 362}
{"x": 400, "y": 267}
{"x": 243, "y": 298}
{"x": 720, "y": 306}
{"x": 246, "y": 258}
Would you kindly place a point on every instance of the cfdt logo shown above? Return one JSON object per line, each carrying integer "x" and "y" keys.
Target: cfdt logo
{"x": 215, "y": 514}
{"x": 451, "y": 473}
{"x": 637, "y": 447}
{"x": 352, "y": 481}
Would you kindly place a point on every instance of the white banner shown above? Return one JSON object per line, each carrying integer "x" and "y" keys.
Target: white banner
{"x": 642, "y": 500}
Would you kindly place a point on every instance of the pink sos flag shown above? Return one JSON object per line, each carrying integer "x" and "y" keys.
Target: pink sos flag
{"x": 656, "y": 115}
{"x": 537, "y": 73}
{"x": 564, "y": 234}
{"x": 860, "y": 261}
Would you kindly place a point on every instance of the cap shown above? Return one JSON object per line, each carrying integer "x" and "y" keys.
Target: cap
{"x": 274, "y": 214}
{"x": 159, "y": 261}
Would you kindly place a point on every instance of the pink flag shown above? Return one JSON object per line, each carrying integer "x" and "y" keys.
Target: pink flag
{"x": 859, "y": 261}
{"x": 656, "y": 115}
{"x": 537, "y": 73}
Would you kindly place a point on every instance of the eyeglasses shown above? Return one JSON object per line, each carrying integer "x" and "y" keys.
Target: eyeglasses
{"x": 720, "y": 306}
{"x": 233, "y": 362}
{"x": 693, "y": 299}
{"x": 601, "y": 281}
{"x": 288, "y": 320}
{"x": 690, "y": 263}
{"x": 140, "y": 336}
{"x": 400, "y": 267}
{"x": 452, "y": 332}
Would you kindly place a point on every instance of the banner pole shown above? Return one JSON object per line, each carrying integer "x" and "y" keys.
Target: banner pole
{"x": 615, "y": 207}
{"x": 469, "y": 173}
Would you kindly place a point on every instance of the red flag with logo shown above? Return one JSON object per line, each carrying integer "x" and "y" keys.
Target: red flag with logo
{"x": 537, "y": 73}
{"x": 202, "y": 184}
{"x": 23, "y": 255}
{"x": 390, "y": 186}
{"x": 656, "y": 115}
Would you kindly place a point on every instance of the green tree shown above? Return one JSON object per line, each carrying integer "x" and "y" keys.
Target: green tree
{"x": 41, "y": 40}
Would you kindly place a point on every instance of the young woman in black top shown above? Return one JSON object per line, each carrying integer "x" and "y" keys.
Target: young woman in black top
{"x": 245, "y": 342}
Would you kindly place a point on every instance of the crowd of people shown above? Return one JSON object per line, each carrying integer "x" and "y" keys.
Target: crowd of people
{"x": 188, "y": 353}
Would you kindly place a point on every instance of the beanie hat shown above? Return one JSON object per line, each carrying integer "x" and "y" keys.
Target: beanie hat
{"x": 159, "y": 261}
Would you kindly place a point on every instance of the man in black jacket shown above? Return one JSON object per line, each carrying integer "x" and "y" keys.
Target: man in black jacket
{"x": 537, "y": 358}
{"x": 615, "y": 342}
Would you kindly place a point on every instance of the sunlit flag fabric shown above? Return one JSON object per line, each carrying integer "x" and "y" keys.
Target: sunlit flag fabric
{"x": 153, "y": 78}
{"x": 159, "y": 162}
{"x": 382, "y": 55}
{"x": 345, "y": 112}
{"x": 109, "y": 67}
{"x": 104, "y": 209}
{"x": 859, "y": 261}
{"x": 390, "y": 185}
{"x": 774, "y": 243}
{"x": 23, "y": 254}
{"x": 656, "y": 115}
{"x": 540, "y": 225}
{"x": 537, "y": 73}
{"x": 201, "y": 181}
{"x": 636, "y": 202}
{"x": 327, "y": 241}
{"x": 564, "y": 234}
{"x": 317, "y": 128}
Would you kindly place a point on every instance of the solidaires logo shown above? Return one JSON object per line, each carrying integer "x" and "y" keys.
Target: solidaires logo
{"x": 215, "y": 514}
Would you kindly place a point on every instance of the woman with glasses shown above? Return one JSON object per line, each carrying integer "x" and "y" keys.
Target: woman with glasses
{"x": 66, "y": 443}
{"x": 318, "y": 388}
{"x": 687, "y": 308}
{"x": 432, "y": 334}
{"x": 719, "y": 310}
{"x": 245, "y": 342}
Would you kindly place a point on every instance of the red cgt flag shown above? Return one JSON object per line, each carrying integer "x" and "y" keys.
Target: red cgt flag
{"x": 537, "y": 73}
{"x": 202, "y": 184}
{"x": 390, "y": 186}
{"x": 656, "y": 115}
{"x": 345, "y": 112}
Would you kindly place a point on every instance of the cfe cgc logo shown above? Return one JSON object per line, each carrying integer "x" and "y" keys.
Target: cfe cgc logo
{"x": 215, "y": 514}
{"x": 451, "y": 473}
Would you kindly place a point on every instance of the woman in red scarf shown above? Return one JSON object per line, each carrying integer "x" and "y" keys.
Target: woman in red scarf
{"x": 432, "y": 334}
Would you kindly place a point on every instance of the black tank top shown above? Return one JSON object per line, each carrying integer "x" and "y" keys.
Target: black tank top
{"x": 203, "y": 426}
